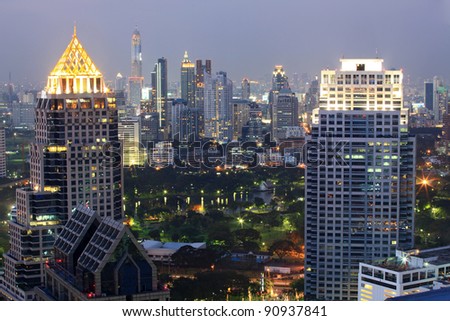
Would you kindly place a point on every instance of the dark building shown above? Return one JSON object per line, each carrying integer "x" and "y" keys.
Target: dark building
{"x": 99, "y": 259}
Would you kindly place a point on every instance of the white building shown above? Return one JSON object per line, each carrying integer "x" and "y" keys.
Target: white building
{"x": 162, "y": 252}
{"x": 409, "y": 272}
{"x": 360, "y": 177}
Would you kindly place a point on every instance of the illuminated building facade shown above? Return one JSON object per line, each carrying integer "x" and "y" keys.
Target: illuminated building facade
{"x": 188, "y": 81}
{"x": 159, "y": 95}
{"x": 2, "y": 152}
{"x": 245, "y": 89}
{"x": 75, "y": 159}
{"x": 136, "y": 79}
{"x": 360, "y": 177}
{"x": 284, "y": 112}
{"x": 130, "y": 138}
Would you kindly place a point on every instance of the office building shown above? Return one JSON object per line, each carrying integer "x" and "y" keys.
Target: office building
{"x": 360, "y": 177}
{"x": 223, "y": 94}
{"x": 184, "y": 123}
{"x": 436, "y": 98}
{"x": 407, "y": 273}
{"x": 119, "y": 83}
{"x": 136, "y": 79}
{"x": 159, "y": 95}
{"x": 241, "y": 116}
{"x": 253, "y": 130}
{"x": 188, "y": 81}
{"x": 23, "y": 115}
{"x": 245, "y": 85}
{"x": 130, "y": 137}
{"x": 75, "y": 159}
{"x": 2, "y": 152}
{"x": 279, "y": 81}
{"x": 284, "y": 112}
{"x": 149, "y": 128}
{"x": 99, "y": 259}
{"x": 204, "y": 97}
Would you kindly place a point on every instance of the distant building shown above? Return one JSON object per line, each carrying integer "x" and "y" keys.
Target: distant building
{"x": 162, "y": 155}
{"x": 2, "y": 152}
{"x": 204, "y": 99}
{"x": 136, "y": 79}
{"x": 99, "y": 259}
{"x": 149, "y": 128}
{"x": 130, "y": 138}
{"x": 188, "y": 81}
{"x": 241, "y": 116}
{"x": 436, "y": 98}
{"x": 162, "y": 252}
{"x": 254, "y": 129}
{"x": 159, "y": 95}
{"x": 284, "y": 112}
{"x": 245, "y": 89}
{"x": 408, "y": 272}
{"x": 120, "y": 83}
{"x": 23, "y": 115}
{"x": 185, "y": 122}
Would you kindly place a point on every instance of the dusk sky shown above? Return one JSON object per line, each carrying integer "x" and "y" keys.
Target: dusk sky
{"x": 242, "y": 37}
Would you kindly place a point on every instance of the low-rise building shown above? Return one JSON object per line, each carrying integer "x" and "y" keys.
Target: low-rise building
{"x": 409, "y": 272}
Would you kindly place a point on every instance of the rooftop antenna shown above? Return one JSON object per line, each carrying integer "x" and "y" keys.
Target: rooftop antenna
{"x": 74, "y": 28}
{"x": 376, "y": 52}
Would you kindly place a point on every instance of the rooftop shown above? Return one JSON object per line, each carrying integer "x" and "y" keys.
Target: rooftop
{"x": 436, "y": 256}
{"x": 435, "y": 295}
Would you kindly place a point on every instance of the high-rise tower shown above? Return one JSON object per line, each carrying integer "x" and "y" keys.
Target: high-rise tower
{"x": 245, "y": 95}
{"x": 203, "y": 94}
{"x": 75, "y": 159}
{"x": 159, "y": 94}
{"x": 2, "y": 152}
{"x": 136, "y": 79}
{"x": 188, "y": 81}
{"x": 279, "y": 79}
{"x": 360, "y": 177}
{"x": 284, "y": 112}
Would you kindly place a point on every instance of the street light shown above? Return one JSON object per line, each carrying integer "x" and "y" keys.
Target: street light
{"x": 241, "y": 221}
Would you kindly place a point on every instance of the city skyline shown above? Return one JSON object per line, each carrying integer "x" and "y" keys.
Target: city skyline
{"x": 246, "y": 44}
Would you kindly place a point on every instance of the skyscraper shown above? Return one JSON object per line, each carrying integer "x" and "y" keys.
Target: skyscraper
{"x": 360, "y": 177}
{"x": 74, "y": 160}
{"x": 136, "y": 79}
{"x": 223, "y": 94}
{"x": 436, "y": 98}
{"x": 184, "y": 123}
{"x": 188, "y": 81}
{"x": 279, "y": 79}
{"x": 245, "y": 89}
{"x": 203, "y": 94}
{"x": 2, "y": 152}
{"x": 159, "y": 94}
{"x": 284, "y": 112}
{"x": 130, "y": 138}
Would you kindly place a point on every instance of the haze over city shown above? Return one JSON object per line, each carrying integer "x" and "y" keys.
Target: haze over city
{"x": 245, "y": 38}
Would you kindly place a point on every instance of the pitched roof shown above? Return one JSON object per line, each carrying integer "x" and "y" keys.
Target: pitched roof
{"x": 75, "y": 61}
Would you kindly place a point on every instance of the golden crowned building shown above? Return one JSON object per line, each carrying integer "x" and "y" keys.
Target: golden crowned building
{"x": 75, "y": 159}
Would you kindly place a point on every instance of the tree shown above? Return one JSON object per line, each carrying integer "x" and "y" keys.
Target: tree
{"x": 259, "y": 202}
{"x": 184, "y": 289}
{"x": 247, "y": 235}
{"x": 282, "y": 248}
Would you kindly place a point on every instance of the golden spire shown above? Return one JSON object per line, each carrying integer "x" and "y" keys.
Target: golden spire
{"x": 75, "y": 72}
